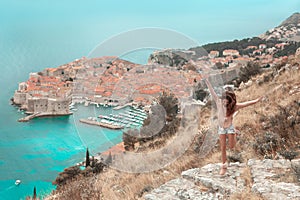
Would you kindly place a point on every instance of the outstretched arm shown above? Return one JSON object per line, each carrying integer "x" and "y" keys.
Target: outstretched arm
{"x": 212, "y": 91}
{"x": 247, "y": 103}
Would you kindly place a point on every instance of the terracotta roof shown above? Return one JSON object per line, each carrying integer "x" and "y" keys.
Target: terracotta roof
{"x": 117, "y": 149}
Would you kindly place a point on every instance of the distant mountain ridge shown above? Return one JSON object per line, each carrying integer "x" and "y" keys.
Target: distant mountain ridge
{"x": 288, "y": 30}
{"x": 293, "y": 19}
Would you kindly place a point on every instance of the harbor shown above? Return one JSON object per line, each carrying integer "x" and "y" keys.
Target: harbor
{"x": 133, "y": 118}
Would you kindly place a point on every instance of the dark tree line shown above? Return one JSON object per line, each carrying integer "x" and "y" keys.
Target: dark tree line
{"x": 288, "y": 50}
{"x": 239, "y": 45}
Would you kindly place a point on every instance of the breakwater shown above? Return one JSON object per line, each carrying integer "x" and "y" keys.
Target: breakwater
{"x": 102, "y": 124}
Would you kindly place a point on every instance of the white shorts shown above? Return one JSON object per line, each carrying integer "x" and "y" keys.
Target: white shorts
{"x": 229, "y": 130}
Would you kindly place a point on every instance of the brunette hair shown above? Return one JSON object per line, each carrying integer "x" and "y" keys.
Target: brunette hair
{"x": 231, "y": 98}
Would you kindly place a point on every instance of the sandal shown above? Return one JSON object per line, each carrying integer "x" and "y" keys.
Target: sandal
{"x": 223, "y": 169}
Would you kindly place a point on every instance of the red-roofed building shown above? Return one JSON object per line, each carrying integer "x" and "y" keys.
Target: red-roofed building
{"x": 251, "y": 47}
{"x": 213, "y": 54}
{"x": 281, "y": 45}
{"x": 262, "y": 46}
{"x": 257, "y": 52}
{"x": 230, "y": 52}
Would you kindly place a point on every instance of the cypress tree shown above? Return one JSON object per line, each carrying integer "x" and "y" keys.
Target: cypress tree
{"x": 34, "y": 193}
{"x": 87, "y": 158}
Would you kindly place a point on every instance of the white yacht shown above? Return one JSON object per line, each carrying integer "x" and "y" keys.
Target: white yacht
{"x": 17, "y": 182}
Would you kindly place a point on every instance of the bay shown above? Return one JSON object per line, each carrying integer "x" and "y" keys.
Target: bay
{"x": 35, "y": 152}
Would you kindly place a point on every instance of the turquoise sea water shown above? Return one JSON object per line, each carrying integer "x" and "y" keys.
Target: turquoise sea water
{"x": 39, "y": 34}
{"x": 35, "y": 152}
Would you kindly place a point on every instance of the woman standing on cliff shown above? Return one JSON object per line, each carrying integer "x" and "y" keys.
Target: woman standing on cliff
{"x": 226, "y": 107}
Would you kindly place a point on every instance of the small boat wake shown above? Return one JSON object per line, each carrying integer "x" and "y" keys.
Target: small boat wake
{"x": 10, "y": 187}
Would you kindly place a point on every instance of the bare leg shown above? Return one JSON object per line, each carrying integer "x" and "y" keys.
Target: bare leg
{"x": 234, "y": 154}
{"x": 222, "y": 138}
{"x": 232, "y": 141}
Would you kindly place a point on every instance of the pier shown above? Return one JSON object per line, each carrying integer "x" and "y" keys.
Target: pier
{"x": 129, "y": 119}
{"x": 41, "y": 114}
{"x": 122, "y": 106}
{"x": 29, "y": 117}
{"x": 102, "y": 124}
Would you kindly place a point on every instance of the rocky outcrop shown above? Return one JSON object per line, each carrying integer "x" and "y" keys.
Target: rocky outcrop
{"x": 272, "y": 179}
{"x": 293, "y": 19}
{"x": 171, "y": 57}
{"x": 181, "y": 189}
{"x": 267, "y": 175}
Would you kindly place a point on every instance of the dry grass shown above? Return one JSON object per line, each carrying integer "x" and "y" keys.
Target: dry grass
{"x": 282, "y": 176}
{"x": 121, "y": 185}
{"x": 277, "y": 92}
{"x": 246, "y": 194}
{"x": 82, "y": 188}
